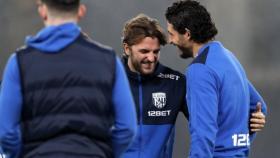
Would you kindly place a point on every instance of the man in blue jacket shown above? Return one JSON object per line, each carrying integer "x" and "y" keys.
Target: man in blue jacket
{"x": 219, "y": 94}
{"x": 158, "y": 91}
{"x": 63, "y": 94}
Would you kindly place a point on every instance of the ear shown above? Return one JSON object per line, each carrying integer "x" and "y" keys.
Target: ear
{"x": 82, "y": 11}
{"x": 187, "y": 34}
{"x": 126, "y": 49}
{"x": 43, "y": 11}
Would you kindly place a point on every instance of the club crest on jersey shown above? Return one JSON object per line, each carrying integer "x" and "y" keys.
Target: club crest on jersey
{"x": 159, "y": 100}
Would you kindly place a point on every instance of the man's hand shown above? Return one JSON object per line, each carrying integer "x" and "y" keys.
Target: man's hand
{"x": 257, "y": 119}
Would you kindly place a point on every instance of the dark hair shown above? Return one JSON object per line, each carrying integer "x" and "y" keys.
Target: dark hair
{"x": 140, "y": 27}
{"x": 63, "y": 6}
{"x": 189, "y": 14}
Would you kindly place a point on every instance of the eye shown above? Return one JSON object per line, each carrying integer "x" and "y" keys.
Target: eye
{"x": 170, "y": 34}
{"x": 156, "y": 51}
{"x": 144, "y": 51}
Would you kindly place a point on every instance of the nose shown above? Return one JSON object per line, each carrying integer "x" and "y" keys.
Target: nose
{"x": 151, "y": 57}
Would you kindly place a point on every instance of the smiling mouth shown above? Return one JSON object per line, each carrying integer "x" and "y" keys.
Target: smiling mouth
{"x": 147, "y": 65}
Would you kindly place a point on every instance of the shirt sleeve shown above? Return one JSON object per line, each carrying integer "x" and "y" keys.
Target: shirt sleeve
{"x": 184, "y": 107}
{"x": 168, "y": 148}
{"x": 125, "y": 127}
{"x": 202, "y": 100}
{"x": 255, "y": 97}
{"x": 10, "y": 109}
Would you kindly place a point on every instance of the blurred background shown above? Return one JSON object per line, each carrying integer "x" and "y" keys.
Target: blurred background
{"x": 249, "y": 28}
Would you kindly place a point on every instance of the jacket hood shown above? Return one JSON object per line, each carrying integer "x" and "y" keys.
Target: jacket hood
{"x": 52, "y": 39}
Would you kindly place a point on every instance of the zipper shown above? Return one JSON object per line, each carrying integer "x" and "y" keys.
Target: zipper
{"x": 141, "y": 114}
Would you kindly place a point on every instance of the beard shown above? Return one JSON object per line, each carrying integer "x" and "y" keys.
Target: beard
{"x": 145, "y": 71}
{"x": 139, "y": 66}
{"x": 185, "y": 52}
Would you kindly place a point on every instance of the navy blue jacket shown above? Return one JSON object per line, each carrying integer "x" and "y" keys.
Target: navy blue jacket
{"x": 70, "y": 106}
{"x": 159, "y": 98}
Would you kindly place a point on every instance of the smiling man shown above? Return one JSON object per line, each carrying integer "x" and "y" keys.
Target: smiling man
{"x": 158, "y": 91}
{"x": 219, "y": 95}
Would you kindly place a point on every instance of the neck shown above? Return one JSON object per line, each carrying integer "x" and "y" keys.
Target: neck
{"x": 197, "y": 47}
{"x": 59, "y": 21}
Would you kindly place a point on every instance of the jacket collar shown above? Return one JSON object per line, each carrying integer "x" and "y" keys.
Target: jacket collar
{"x": 134, "y": 75}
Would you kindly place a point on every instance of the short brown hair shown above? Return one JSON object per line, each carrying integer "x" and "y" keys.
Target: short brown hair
{"x": 141, "y": 26}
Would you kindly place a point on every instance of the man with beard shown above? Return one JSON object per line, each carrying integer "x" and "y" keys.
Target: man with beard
{"x": 219, "y": 95}
{"x": 158, "y": 91}
{"x": 64, "y": 95}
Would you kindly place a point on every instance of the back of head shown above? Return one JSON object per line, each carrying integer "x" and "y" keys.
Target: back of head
{"x": 141, "y": 26}
{"x": 191, "y": 15}
{"x": 62, "y": 7}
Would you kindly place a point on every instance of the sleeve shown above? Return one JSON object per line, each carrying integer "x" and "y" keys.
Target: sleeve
{"x": 184, "y": 106}
{"x": 125, "y": 127}
{"x": 183, "y": 102}
{"x": 202, "y": 99}
{"x": 168, "y": 148}
{"x": 184, "y": 109}
{"x": 10, "y": 109}
{"x": 255, "y": 97}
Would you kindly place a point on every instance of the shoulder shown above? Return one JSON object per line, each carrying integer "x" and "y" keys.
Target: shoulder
{"x": 202, "y": 57}
{"x": 85, "y": 40}
{"x": 201, "y": 76}
{"x": 23, "y": 50}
